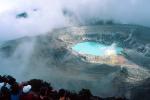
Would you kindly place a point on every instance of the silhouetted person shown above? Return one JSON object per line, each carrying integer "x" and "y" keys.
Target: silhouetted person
{"x": 85, "y": 94}
{"x": 11, "y": 80}
{"x": 27, "y": 94}
{"x": 63, "y": 95}
{"x": 5, "y": 93}
{"x": 15, "y": 91}
{"x": 43, "y": 93}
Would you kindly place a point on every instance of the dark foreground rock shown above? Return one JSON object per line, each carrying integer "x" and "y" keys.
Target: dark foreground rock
{"x": 37, "y": 89}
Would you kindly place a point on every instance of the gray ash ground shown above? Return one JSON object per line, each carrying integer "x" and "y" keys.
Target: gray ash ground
{"x": 51, "y": 58}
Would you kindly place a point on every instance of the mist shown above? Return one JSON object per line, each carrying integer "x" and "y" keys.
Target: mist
{"x": 44, "y": 16}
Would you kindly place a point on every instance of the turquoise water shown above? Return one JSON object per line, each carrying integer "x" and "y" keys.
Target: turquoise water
{"x": 94, "y": 48}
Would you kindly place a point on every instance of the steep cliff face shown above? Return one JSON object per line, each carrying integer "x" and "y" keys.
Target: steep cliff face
{"x": 50, "y": 57}
{"x": 141, "y": 91}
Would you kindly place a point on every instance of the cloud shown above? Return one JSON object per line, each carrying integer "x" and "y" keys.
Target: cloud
{"x": 49, "y": 14}
{"x": 40, "y": 21}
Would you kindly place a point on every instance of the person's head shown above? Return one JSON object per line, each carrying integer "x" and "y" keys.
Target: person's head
{"x": 85, "y": 93}
{"x": 27, "y": 89}
{"x": 36, "y": 84}
{"x": 62, "y": 93}
{"x": 11, "y": 80}
{"x": 4, "y": 79}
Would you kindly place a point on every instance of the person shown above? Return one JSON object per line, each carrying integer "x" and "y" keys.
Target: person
{"x": 11, "y": 80}
{"x": 85, "y": 94}
{"x": 63, "y": 95}
{"x": 5, "y": 93}
{"x": 15, "y": 92}
{"x": 27, "y": 94}
{"x": 43, "y": 93}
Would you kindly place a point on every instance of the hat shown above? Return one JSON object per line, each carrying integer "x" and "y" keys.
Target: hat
{"x": 27, "y": 88}
{"x": 1, "y": 85}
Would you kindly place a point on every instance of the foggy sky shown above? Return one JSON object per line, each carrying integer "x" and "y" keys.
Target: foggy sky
{"x": 48, "y": 14}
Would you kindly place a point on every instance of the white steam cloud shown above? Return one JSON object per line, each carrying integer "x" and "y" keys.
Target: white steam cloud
{"x": 49, "y": 14}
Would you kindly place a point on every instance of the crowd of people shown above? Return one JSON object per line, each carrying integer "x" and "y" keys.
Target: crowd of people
{"x": 37, "y": 89}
